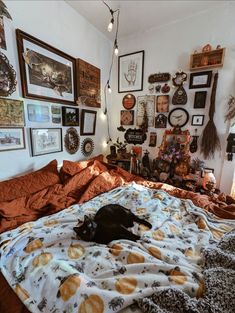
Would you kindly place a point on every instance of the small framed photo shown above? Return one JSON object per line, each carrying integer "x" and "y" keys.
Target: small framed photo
{"x": 208, "y": 170}
{"x": 200, "y": 80}
{"x": 45, "y": 140}
{"x": 12, "y": 138}
{"x": 127, "y": 117}
{"x": 197, "y": 120}
{"x": 200, "y": 100}
{"x": 70, "y": 116}
{"x": 160, "y": 121}
{"x": 130, "y": 72}
{"x": 88, "y": 122}
{"x": 162, "y": 104}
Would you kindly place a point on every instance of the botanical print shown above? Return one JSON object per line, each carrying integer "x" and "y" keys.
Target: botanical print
{"x": 2, "y": 35}
{"x": 38, "y": 113}
{"x": 11, "y": 112}
{"x": 71, "y": 275}
{"x": 11, "y": 139}
{"x": 46, "y": 72}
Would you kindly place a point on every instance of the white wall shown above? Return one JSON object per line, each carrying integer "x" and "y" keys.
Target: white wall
{"x": 56, "y": 23}
{"x": 168, "y": 49}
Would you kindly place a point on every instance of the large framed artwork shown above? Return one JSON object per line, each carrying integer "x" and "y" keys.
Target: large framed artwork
{"x": 47, "y": 73}
{"x": 11, "y": 112}
{"x": 88, "y": 122}
{"x": 131, "y": 71}
{"x": 88, "y": 84}
{"x": 45, "y": 140}
{"x": 12, "y": 138}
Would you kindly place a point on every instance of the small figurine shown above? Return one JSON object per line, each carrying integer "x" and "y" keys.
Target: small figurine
{"x": 165, "y": 88}
{"x": 218, "y": 47}
{"x": 158, "y": 88}
{"x": 207, "y": 48}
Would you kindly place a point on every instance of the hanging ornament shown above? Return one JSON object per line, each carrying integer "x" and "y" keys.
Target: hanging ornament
{"x": 193, "y": 145}
{"x": 87, "y": 147}
{"x": 158, "y": 88}
{"x": 165, "y": 88}
{"x": 180, "y": 96}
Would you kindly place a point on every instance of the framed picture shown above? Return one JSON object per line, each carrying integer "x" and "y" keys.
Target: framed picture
{"x": 160, "y": 121}
{"x": 11, "y": 112}
{"x": 87, "y": 147}
{"x": 71, "y": 140}
{"x": 88, "y": 84}
{"x": 131, "y": 71}
{"x": 128, "y": 101}
{"x": 88, "y": 122}
{"x": 197, "y": 120}
{"x": 127, "y": 117}
{"x": 145, "y": 104}
{"x": 153, "y": 139}
{"x": 47, "y": 73}
{"x": 162, "y": 103}
{"x": 45, "y": 140}
{"x": 70, "y": 116}
{"x": 56, "y": 114}
{"x": 200, "y": 100}
{"x": 200, "y": 80}
{"x": 209, "y": 170}
{"x": 2, "y": 35}
{"x": 12, "y": 138}
{"x": 38, "y": 113}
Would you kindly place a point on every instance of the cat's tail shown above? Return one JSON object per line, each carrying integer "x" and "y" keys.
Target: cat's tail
{"x": 142, "y": 221}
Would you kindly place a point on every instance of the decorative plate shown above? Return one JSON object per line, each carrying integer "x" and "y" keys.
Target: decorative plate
{"x": 178, "y": 117}
{"x": 129, "y": 101}
{"x": 7, "y": 77}
{"x": 71, "y": 140}
{"x": 87, "y": 146}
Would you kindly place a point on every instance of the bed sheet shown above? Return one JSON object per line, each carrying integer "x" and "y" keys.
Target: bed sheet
{"x": 52, "y": 271}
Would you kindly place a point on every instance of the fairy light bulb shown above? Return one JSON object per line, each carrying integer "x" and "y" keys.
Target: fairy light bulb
{"x": 109, "y": 88}
{"x": 115, "y": 47}
{"x": 110, "y": 26}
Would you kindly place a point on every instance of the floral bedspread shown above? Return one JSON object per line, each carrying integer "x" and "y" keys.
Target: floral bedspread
{"x": 52, "y": 271}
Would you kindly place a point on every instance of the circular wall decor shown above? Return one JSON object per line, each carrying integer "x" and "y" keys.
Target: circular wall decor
{"x": 178, "y": 117}
{"x": 71, "y": 140}
{"x": 87, "y": 146}
{"x": 7, "y": 77}
{"x": 179, "y": 78}
{"x": 128, "y": 101}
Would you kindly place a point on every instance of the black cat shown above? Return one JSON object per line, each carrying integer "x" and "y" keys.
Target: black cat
{"x": 110, "y": 223}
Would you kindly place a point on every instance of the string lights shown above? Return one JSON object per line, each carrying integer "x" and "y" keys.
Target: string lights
{"x": 114, "y": 52}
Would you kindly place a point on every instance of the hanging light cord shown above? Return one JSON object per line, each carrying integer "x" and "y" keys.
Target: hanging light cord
{"x": 110, "y": 69}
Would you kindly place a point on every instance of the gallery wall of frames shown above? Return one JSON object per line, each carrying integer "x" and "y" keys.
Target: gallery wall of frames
{"x": 50, "y": 95}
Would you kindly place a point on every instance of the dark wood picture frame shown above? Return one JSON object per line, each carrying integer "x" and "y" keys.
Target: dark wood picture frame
{"x": 88, "y": 125}
{"x": 11, "y": 139}
{"x": 21, "y": 37}
{"x": 120, "y": 90}
{"x": 70, "y": 116}
{"x": 200, "y": 100}
{"x": 193, "y": 122}
{"x": 197, "y": 82}
{"x": 33, "y": 140}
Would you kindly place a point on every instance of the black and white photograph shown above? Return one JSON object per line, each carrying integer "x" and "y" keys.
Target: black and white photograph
{"x": 130, "y": 71}
{"x": 70, "y": 116}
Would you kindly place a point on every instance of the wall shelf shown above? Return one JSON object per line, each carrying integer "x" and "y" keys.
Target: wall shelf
{"x": 206, "y": 60}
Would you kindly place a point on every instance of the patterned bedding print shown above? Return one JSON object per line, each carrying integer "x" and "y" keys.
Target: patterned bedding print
{"x": 53, "y": 272}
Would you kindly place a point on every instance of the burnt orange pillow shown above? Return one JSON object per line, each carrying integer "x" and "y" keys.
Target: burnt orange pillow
{"x": 71, "y": 168}
{"x": 28, "y": 184}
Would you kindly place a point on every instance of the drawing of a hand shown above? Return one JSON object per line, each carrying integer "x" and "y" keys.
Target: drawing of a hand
{"x": 131, "y": 75}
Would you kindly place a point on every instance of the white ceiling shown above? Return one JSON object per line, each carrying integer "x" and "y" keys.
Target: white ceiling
{"x": 139, "y": 16}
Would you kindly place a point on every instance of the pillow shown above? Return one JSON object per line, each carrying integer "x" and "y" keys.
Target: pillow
{"x": 71, "y": 168}
{"x": 28, "y": 184}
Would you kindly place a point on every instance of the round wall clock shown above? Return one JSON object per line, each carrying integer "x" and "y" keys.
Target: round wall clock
{"x": 87, "y": 146}
{"x": 178, "y": 117}
{"x": 128, "y": 101}
{"x": 71, "y": 140}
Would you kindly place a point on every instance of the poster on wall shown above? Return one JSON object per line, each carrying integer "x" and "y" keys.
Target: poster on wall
{"x": 145, "y": 104}
{"x": 88, "y": 84}
{"x": 46, "y": 72}
{"x": 11, "y": 112}
{"x": 2, "y": 35}
{"x": 131, "y": 71}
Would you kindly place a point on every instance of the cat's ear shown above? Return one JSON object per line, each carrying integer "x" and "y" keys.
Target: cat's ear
{"x": 86, "y": 219}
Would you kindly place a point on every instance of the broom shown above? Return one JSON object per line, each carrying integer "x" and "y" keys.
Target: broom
{"x": 210, "y": 140}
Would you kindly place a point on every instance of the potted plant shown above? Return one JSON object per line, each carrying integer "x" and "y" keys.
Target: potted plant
{"x": 121, "y": 148}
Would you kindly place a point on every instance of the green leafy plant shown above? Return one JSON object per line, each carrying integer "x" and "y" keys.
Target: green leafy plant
{"x": 120, "y": 145}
